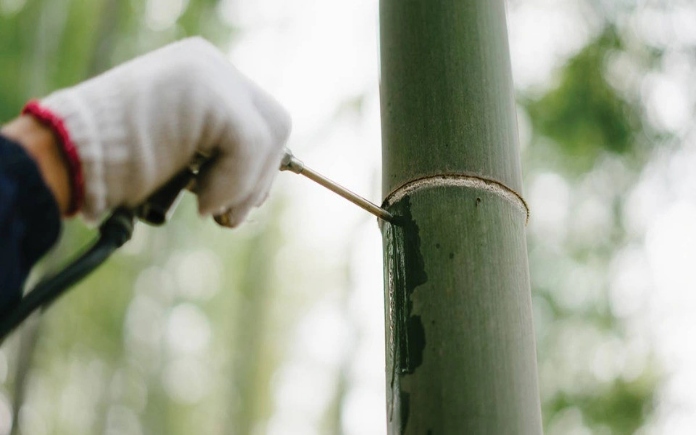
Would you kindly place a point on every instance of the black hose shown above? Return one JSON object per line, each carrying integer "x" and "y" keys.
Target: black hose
{"x": 116, "y": 230}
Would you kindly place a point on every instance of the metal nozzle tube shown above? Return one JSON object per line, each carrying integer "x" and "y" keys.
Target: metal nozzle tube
{"x": 290, "y": 163}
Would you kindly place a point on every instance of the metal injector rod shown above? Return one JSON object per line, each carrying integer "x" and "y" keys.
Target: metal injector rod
{"x": 292, "y": 164}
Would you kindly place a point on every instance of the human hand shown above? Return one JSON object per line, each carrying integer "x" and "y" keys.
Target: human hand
{"x": 128, "y": 131}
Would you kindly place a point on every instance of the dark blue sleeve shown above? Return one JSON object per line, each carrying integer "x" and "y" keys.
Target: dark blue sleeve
{"x": 29, "y": 220}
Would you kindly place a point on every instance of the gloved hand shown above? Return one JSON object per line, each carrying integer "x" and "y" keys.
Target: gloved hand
{"x": 132, "y": 128}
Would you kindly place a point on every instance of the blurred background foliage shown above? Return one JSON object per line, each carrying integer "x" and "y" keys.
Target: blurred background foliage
{"x": 584, "y": 115}
{"x": 186, "y": 330}
{"x": 589, "y": 139}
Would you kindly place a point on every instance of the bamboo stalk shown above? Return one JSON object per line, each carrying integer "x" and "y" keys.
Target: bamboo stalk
{"x": 460, "y": 342}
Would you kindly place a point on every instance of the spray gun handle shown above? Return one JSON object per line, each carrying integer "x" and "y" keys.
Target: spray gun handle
{"x": 158, "y": 207}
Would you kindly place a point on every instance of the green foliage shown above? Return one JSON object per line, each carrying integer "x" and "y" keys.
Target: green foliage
{"x": 579, "y": 126}
{"x": 584, "y": 116}
{"x": 620, "y": 408}
{"x": 623, "y": 407}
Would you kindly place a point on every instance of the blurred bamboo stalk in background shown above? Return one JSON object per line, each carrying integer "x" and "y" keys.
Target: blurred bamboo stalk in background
{"x": 460, "y": 342}
{"x": 249, "y": 398}
{"x": 107, "y": 13}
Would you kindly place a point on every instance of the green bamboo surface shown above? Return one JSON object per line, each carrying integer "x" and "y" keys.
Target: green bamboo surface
{"x": 460, "y": 341}
{"x": 447, "y": 95}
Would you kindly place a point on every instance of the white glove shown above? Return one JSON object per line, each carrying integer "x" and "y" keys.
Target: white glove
{"x": 137, "y": 125}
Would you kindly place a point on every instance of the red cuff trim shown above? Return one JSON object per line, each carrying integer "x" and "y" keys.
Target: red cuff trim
{"x": 55, "y": 123}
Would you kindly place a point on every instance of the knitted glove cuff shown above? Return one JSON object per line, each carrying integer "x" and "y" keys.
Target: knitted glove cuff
{"x": 77, "y": 185}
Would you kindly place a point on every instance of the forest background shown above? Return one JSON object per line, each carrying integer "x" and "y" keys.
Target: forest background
{"x": 277, "y": 327}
